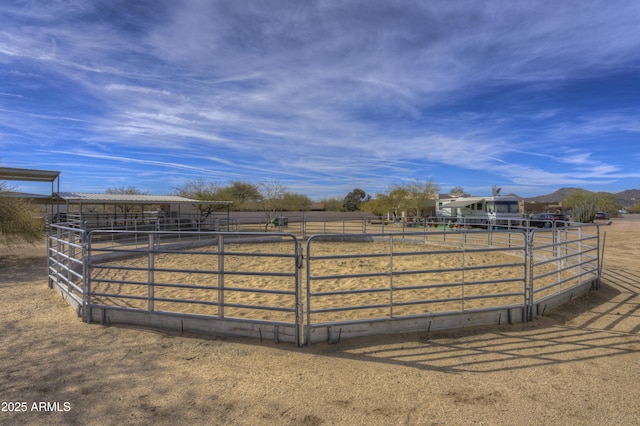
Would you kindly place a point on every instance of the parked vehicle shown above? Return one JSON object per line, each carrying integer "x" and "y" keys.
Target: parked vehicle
{"x": 546, "y": 220}
{"x": 501, "y": 210}
{"x": 601, "y": 216}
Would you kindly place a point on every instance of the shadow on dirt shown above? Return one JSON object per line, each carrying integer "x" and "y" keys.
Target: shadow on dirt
{"x": 599, "y": 324}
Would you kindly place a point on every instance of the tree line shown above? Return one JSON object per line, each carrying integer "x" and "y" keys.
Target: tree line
{"x": 20, "y": 220}
{"x": 273, "y": 195}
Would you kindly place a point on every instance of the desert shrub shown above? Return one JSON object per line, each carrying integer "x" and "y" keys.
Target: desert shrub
{"x": 583, "y": 204}
{"x": 19, "y": 219}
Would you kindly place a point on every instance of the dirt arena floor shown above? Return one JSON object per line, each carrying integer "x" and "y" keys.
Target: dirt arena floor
{"x": 579, "y": 364}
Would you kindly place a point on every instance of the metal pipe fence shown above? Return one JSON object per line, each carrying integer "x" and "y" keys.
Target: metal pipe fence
{"x": 66, "y": 265}
{"x": 302, "y": 224}
{"x": 271, "y": 285}
{"x": 562, "y": 260}
{"x": 237, "y": 279}
{"x": 393, "y": 277}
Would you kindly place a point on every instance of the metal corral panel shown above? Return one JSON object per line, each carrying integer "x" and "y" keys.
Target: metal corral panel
{"x": 75, "y": 303}
{"x": 559, "y": 299}
{"x": 195, "y": 325}
{"x": 334, "y": 333}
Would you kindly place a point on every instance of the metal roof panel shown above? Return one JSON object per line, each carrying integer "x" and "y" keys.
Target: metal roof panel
{"x": 86, "y": 197}
{"x": 9, "y": 173}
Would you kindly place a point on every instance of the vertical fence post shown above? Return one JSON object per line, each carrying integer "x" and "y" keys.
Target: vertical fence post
{"x": 59, "y": 253}
{"x": 462, "y": 270}
{"x": 307, "y": 314}
{"x": 530, "y": 285}
{"x": 580, "y": 255}
{"x": 50, "y": 261}
{"x": 557, "y": 252}
{"x": 391, "y": 276}
{"x": 221, "y": 276}
{"x": 151, "y": 278}
{"x": 71, "y": 254}
{"x": 298, "y": 297}
{"x": 599, "y": 254}
{"x": 86, "y": 277}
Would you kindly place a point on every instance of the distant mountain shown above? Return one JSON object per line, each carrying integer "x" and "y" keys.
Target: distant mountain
{"x": 554, "y": 197}
{"x": 627, "y": 198}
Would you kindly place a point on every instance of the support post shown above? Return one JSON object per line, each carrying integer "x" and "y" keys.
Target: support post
{"x": 151, "y": 278}
{"x": 221, "y": 276}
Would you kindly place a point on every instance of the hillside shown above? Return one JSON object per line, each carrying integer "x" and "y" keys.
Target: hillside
{"x": 627, "y": 198}
{"x": 554, "y": 197}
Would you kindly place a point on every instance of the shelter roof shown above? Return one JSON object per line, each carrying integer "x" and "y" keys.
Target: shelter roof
{"x": 85, "y": 197}
{"x": 27, "y": 195}
{"x": 9, "y": 173}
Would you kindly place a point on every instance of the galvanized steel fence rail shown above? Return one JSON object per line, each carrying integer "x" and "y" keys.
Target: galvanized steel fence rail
{"x": 67, "y": 267}
{"x": 247, "y": 283}
{"x": 411, "y": 276}
{"x": 562, "y": 261}
{"x": 271, "y": 286}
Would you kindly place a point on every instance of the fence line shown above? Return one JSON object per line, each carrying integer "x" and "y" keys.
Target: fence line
{"x": 252, "y": 283}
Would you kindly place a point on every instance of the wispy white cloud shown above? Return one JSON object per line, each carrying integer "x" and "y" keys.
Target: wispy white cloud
{"x": 341, "y": 92}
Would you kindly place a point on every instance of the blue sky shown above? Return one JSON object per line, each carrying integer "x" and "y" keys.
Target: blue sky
{"x": 323, "y": 96}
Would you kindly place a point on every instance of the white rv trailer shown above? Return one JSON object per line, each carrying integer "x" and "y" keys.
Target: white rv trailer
{"x": 502, "y": 210}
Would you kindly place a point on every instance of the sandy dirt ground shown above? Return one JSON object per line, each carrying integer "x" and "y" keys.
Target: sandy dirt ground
{"x": 579, "y": 364}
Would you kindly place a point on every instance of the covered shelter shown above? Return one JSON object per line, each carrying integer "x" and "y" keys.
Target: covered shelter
{"x": 32, "y": 175}
{"x": 140, "y": 211}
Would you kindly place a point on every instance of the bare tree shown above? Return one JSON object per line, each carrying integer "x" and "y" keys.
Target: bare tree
{"x": 201, "y": 190}
{"x": 272, "y": 200}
